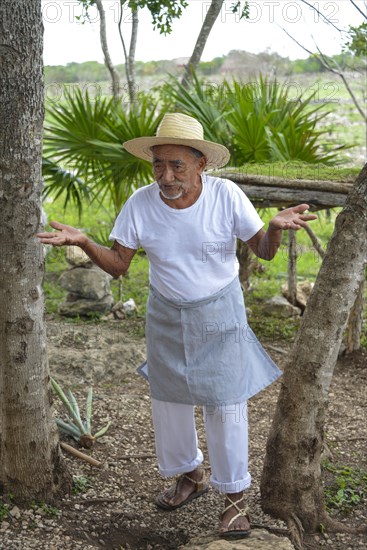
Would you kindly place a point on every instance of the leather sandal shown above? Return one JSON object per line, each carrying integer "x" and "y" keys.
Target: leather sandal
{"x": 201, "y": 487}
{"x": 242, "y": 512}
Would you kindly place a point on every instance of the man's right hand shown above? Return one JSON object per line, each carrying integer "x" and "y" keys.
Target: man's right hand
{"x": 65, "y": 235}
{"x": 115, "y": 260}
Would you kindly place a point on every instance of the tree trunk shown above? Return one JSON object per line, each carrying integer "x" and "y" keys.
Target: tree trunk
{"x": 31, "y": 465}
{"x": 107, "y": 58}
{"x": 210, "y": 19}
{"x": 291, "y": 485}
{"x": 355, "y": 321}
{"x": 248, "y": 263}
{"x": 315, "y": 241}
{"x": 131, "y": 58}
{"x": 292, "y": 267}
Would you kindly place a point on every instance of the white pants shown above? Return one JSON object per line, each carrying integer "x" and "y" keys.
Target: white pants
{"x": 226, "y": 430}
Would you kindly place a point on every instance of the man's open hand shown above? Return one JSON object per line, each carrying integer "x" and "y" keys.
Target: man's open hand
{"x": 292, "y": 218}
{"x": 65, "y": 235}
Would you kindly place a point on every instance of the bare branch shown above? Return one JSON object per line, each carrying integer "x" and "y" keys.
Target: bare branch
{"x": 359, "y": 9}
{"x": 322, "y": 15}
{"x": 296, "y": 41}
{"x": 326, "y": 62}
{"x": 339, "y": 72}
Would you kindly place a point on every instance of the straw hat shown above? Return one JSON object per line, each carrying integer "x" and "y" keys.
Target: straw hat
{"x": 179, "y": 129}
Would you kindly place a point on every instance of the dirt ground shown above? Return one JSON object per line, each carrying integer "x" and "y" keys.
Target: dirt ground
{"x": 113, "y": 507}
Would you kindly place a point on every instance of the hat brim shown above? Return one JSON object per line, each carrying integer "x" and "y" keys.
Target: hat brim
{"x": 216, "y": 155}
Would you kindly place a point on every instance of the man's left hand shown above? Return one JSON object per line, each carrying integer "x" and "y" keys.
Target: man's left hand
{"x": 292, "y": 218}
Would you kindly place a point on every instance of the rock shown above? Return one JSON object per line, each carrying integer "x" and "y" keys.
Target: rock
{"x": 15, "y": 512}
{"x": 259, "y": 539}
{"x": 77, "y": 257}
{"x": 129, "y": 306}
{"x": 304, "y": 289}
{"x": 82, "y": 307}
{"x": 278, "y": 306}
{"x": 91, "y": 284}
{"x": 89, "y": 292}
{"x": 123, "y": 309}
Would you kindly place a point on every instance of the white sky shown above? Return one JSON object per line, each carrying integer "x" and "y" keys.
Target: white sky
{"x": 66, "y": 40}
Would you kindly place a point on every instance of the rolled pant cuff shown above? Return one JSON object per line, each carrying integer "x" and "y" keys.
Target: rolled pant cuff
{"x": 232, "y": 487}
{"x": 170, "y": 472}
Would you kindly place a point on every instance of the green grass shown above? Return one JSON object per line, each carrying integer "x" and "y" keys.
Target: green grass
{"x": 269, "y": 281}
{"x": 135, "y": 284}
{"x": 300, "y": 170}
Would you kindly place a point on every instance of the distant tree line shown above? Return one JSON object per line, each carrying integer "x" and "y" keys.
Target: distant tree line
{"x": 92, "y": 71}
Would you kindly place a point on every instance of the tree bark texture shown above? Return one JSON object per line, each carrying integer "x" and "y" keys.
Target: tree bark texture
{"x": 107, "y": 58}
{"x": 355, "y": 320}
{"x": 291, "y": 485}
{"x": 266, "y": 191}
{"x": 131, "y": 59}
{"x": 30, "y": 462}
{"x": 265, "y": 197}
{"x": 247, "y": 263}
{"x": 292, "y": 267}
{"x": 210, "y": 19}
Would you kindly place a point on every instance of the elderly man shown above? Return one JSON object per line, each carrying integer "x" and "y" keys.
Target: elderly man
{"x": 200, "y": 350}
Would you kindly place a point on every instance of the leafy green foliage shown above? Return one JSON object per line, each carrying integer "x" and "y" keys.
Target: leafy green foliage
{"x": 357, "y": 40}
{"x": 348, "y": 488}
{"x": 243, "y": 10}
{"x": 210, "y": 67}
{"x": 202, "y": 101}
{"x": 163, "y": 12}
{"x": 80, "y": 484}
{"x": 257, "y": 121}
{"x": 65, "y": 183}
{"x": 89, "y": 71}
{"x": 84, "y": 137}
{"x": 45, "y": 509}
{"x": 4, "y": 510}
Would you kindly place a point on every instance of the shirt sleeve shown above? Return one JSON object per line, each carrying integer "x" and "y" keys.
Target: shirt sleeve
{"x": 246, "y": 220}
{"x": 125, "y": 229}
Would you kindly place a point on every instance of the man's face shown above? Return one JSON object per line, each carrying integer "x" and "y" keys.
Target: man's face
{"x": 177, "y": 170}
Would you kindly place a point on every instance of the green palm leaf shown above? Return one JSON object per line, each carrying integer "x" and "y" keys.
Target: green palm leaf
{"x": 84, "y": 137}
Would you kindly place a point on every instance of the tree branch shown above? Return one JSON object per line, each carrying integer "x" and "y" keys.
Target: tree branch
{"x": 326, "y": 63}
{"x": 322, "y": 15}
{"x": 78, "y": 454}
{"x": 108, "y": 61}
{"x": 359, "y": 9}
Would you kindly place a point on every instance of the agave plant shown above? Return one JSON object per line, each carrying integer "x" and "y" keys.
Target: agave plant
{"x": 83, "y": 138}
{"x": 201, "y": 100}
{"x": 75, "y": 427}
{"x": 257, "y": 121}
{"x": 269, "y": 126}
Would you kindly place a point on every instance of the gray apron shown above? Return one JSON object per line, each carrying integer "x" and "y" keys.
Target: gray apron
{"x": 203, "y": 351}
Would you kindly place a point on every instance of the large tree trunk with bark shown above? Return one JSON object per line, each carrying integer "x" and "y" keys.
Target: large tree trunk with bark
{"x": 31, "y": 465}
{"x": 291, "y": 485}
{"x": 210, "y": 19}
{"x": 355, "y": 321}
